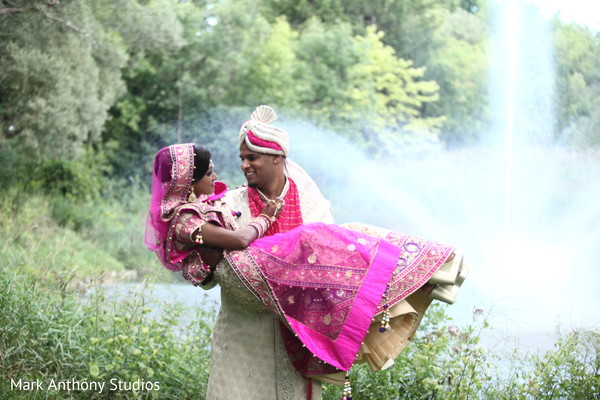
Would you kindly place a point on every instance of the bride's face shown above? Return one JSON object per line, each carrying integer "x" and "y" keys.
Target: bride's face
{"x": 206, "y": 184}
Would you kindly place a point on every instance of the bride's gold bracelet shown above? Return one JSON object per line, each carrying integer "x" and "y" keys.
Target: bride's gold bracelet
{"x": 198, "y": 237}
{"x": 271, "y": 219}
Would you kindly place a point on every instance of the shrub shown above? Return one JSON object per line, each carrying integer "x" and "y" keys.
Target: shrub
{"x": 49, "y": 332}
{"x": 445, "y": 362}
{"x": 442, "y": 362}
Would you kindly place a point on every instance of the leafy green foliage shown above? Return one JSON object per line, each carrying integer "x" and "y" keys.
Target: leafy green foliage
{"x": 319, "y": 71}
{"x": 447, "y": 362}
{"x": 442, "y": 362}
{"x": 389, "y": 92}
{"x": 48, "y": 331}
{"x": 63, "y": 71}
{"x": 131, "y": 76}
{"x": 300, "y": 11}
{"x": 71, "y": 234}
{"x": 326, "y": 54}
{"x": 32, "y": 241}
{"x": 571, "y": 371}
{"x": 447, "y": 37}
{"x": 578, "y": 68}
{"x": 57, "y": 82}
{"x": 73, "y": 179}
{"x": 460, "y": 64}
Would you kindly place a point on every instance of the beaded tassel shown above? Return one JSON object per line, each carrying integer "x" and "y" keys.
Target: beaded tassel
{"x": 385, "y": 317}
{"x": 347, "y": 392}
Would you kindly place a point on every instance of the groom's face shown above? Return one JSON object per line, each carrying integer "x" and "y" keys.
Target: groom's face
{"x": 258, "y": 168}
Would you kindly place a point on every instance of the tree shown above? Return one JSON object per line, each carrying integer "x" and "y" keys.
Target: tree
{"x": 325, "y": 55}
{"x": 58, "y": 78}
{"x": 578, "y": 84}
{"x": 390, "y": 93}
{"x": 447, "y": 37}
{"x": 62, "y": 67}
{"x": 298, "y": 12}
{"x": 357, "y": 86}
{"x": 460, "y": 66}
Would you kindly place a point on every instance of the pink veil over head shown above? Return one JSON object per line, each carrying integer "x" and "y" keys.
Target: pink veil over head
{"x": 172, "y": 176}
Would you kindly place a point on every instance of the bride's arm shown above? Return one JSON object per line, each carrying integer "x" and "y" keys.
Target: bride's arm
{"x": 215, "y": 236}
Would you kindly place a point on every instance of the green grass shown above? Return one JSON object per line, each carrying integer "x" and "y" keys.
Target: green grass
{"x": 50, "y": 332}
{"x": 34, "y": 243}
{"x": 52, "y": 328}
{"x": 86, "y": 238}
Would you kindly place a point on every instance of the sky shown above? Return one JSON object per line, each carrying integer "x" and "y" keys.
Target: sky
{"x": 585, "y": 12}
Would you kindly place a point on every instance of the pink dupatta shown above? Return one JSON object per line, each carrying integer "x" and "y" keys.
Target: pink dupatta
{"x": 326, "y": 283}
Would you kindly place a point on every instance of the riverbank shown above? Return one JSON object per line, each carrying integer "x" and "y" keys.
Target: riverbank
{"x": 77, "y": 240}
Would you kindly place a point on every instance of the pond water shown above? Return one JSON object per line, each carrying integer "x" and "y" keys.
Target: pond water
{"x": 157, "y": 295}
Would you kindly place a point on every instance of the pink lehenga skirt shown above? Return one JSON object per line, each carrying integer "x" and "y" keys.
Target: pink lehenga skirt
{"x": 330, "y": 287}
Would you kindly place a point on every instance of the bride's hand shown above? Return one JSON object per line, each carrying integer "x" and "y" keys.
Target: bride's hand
{"x": 273, "y": 208}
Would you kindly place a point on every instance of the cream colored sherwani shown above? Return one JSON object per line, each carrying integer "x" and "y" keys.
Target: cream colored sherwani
{"x": 249, "y": 360}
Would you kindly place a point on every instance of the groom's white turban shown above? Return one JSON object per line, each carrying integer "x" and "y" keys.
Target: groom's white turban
{"x": 262, "y": 137}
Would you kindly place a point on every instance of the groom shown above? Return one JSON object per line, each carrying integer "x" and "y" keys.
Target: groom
{"x": 249, "y": 359}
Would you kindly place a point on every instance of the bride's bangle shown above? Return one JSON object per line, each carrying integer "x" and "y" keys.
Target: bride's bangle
{"x": 271, "y": 219}
{"x": 261, "y": 224}
{"x": 198, "y": 234}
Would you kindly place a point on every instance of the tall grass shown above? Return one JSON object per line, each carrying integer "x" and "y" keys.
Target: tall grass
{"x": 446, "y": 362}
{"x": 50, "y": 246}
{"x": 31, "y": 241}
{"x": 49, "y": 332}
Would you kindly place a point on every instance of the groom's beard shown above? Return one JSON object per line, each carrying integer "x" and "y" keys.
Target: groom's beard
{"x": 253, "y": 185}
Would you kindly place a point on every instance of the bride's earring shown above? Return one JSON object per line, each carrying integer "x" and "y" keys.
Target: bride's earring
{"x": 192, "y": 197}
